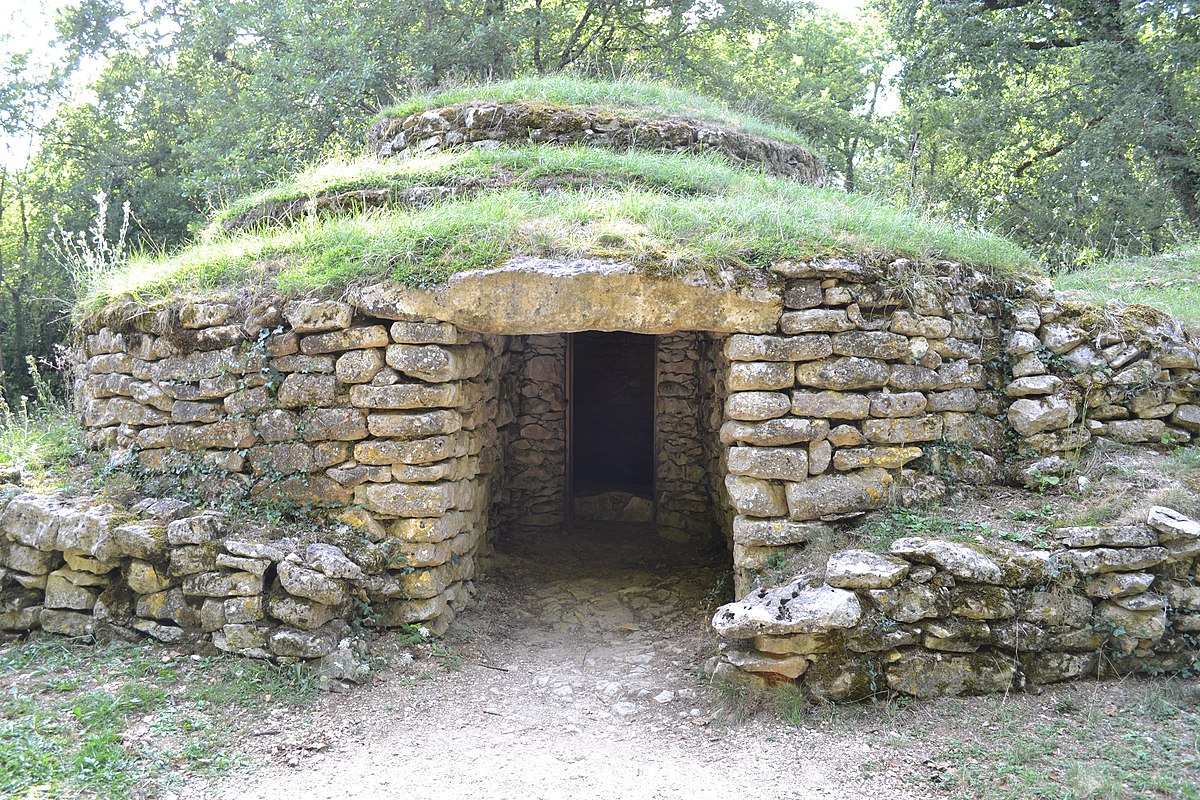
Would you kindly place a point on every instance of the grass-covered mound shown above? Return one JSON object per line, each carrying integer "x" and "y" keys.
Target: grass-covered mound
{"x": 664, "y": 211}
{"x": 648, "y": 99}
{"x": 1169, "y": 282}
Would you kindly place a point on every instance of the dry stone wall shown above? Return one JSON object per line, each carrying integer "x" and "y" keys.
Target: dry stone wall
{"x": 933, "y": 617}
{"x": 876, "y": 389}
{"x": 388, "y": 427}
{"x": 872, "y": 384}
{"x": 683, "y": 508}
{"x": 535, "y": 441}
{"x": 483, "y": 124}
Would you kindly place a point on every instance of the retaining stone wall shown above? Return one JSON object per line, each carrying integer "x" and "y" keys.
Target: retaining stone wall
{"x": 875, "y": 390}
{"x": 482, "y": 124}
{"x": 944, "y": 618}
{"x": 877, "y": 384}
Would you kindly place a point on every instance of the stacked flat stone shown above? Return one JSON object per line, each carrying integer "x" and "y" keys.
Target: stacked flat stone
{"x": 536, "y": 475}
{"x": 684, "y": 502}
{"x": 934, "y": 617}
{"x": 80, "y": 568}
{"x": 1074, "y": 379}
{"x": 386, "y": 424}
{"x": 491, "y": 125}
{"x": 861, "y": 379}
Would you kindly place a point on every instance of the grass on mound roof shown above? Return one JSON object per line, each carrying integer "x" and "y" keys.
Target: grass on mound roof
{"x": 683, "y": 212}
{"x": 648, "y": 99}
{"x": 1169, "y": 282}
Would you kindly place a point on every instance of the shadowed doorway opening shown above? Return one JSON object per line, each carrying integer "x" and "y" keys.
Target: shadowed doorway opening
{"x": 611, "y": 429}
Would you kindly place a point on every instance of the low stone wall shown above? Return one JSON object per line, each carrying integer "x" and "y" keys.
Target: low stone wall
{"x": 683, "y": 507}
{"x": 936, "y": 618}
{"x": 483, "y": 124}
{"x": 79, "y": 567}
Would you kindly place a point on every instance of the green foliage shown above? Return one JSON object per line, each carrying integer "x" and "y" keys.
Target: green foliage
{"x": 1068, "y": 125}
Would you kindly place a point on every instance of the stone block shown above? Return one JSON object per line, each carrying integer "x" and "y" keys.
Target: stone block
{"x": 292, "y": 643}
{"x": 862, "y": 569}
{"x": 363, "y": 338}
{"x": 871, "y": 344}
{"x": 415, "y": 425}
{"x": 907, "y": 323}
{"x": 787, "y": 610}
{"x": 358, "y": 366}
{"x": 760, "y": 375}
{"x": 758, "y": 532}
{"x": 437, "y": 363}
{"x": 410, "y": 500}
{"x": 424, "y": 333}
{"x": 1135, "y": 431}
{"x": 837, "y": 493}
{"x": 960, "y": 400}
{"x": 774, "y": 432}
{"x": 1111, "y": 559}
{"x": 928, "y": 675}
{"x": 316, "y": 316}
{"x": 843, "y": 373}
{"x": 913, "y": 378}
{"x": 820, "y": 455}
{"x": 1059, "y": 338}
{"x": 897, "y": 404}
{"x": 407, "y": 396}
{"x": 300, "y": 612}
{"x": 769, "y": 463}
{"x": 311, "y": 584}
{"x": 430, "y": 529}
{"x": 754, "y": 497}
{"x": 333, "y": 424}
{"x": 223, "y": 584}
{"x": 1106, "y": 536}
{"x": 901, "y": 431}
{"x": 417, "y": 451}
{"x": 959, "y": 559}
{"x": 1028, "y": 417}
{"x": 1036, "y": 385}
{"x": 248, "y": 401}
{"x": 816, "y": 320}
{"x": 747, "y": 347}
{"x": 830, "y": 405}
{"x": 300, "y": 389}
{"x": 757, "y": 406}
{"x": 982, "y": 602}
{"x": 885, "y": 457}
{"x": 278, "y": 425}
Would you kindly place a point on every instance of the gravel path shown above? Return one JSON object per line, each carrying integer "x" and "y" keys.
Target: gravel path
{"x": 579, "y": 678}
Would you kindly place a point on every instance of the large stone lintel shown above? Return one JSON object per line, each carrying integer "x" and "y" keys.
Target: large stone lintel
{"x": 535, "y": 295}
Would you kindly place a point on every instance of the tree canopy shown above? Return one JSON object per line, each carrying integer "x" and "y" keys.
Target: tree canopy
{"x": 1072, "y": 126}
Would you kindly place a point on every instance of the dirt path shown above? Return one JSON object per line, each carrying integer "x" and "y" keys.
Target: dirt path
{"x": 578, "y": 678}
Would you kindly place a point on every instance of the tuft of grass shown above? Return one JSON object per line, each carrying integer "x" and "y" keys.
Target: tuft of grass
{"x": 40, "y": 438}
{"x": 648, "y": 99}
{"x": 729, "y": 217}
{"x": 126, "y": 720}
{"x": 1169, "y": 282}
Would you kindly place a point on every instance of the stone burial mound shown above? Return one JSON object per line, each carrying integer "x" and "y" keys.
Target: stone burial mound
{"x": 514, "y": 314}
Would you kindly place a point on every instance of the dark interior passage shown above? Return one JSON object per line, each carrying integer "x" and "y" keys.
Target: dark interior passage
{"x": 612, "y": 413}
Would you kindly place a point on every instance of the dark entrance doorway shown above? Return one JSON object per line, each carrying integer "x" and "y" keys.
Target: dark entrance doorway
{"x": 611, "y": 402}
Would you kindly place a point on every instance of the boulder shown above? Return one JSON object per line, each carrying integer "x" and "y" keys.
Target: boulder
{"x": 862, "y": 569}
{"x": 787, "y": 610}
